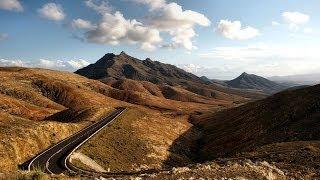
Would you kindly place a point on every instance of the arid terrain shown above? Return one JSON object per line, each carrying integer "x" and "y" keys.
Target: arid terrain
{"x": 175, "y": 124}
{"x": 41, "y": 107}
{"x": 159, "y": 90}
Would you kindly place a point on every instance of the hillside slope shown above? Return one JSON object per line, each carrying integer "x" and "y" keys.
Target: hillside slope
{"x": 289, "y": 116}
{"x": 251, "y": 81}
{"x": 40, "y": 107}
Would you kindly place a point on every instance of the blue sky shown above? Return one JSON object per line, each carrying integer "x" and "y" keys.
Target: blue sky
{"x": 216, "y": 38}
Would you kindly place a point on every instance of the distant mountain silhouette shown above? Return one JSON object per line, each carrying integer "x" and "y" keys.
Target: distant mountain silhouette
{"x": 251, "y": 81}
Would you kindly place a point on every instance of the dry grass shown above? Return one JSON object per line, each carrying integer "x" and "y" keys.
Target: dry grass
{"x": 41, "y": 107}
{"x": 23, "y": 138}
{"x": 299, "y": 156}
{"x": 137, "y": 140}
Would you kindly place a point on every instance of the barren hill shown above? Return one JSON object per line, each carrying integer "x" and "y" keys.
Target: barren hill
{"x": 251, "y": 81}
{"x": 40, "y": 107}
{"x": 125, "y": 66}
{"x": 281, "y": 128}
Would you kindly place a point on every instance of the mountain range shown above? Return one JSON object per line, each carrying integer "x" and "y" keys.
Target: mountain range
{"x": 112, "y": 68}
{"x": 173, "y": 119}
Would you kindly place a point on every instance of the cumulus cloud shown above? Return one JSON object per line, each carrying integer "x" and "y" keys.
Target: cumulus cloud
{"x": 70, "y": 65}
{"x": 115, "y": 29}
{"x": 77, "y": 64}
{"x": 82, "y": 24}
{"x": 169, "y": 18}
{"x": 52, "y": 11}
{"x": 179, "y": 23}
{"x": 295, "y": 17}
{"x": 295, "y": 20}
{"x": 234, "y": 30}
{"x": 191, "y": 68}
{"x": 10, "y": 63}
{"x": 61, "y": 65}
{"x": 3, "y": 36}
{"x": 12, "y": 5}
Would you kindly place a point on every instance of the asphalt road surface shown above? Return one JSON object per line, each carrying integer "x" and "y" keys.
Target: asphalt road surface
{"x": 53, "y": 160}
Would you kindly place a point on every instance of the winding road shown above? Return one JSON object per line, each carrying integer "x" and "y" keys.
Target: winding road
{"x": 54, "y": 160}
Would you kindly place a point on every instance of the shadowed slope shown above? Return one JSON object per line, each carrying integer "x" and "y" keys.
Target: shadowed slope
{"x": 251, "y": 81}
{"x": 285, "y": 117}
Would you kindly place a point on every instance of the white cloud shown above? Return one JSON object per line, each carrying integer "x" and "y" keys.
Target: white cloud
{"x": 295, "y": 20}
{"x": 102, "y": 8}
{"x": 52, "y": 11}
{"x": 12, "y": 5}
{"x": 295, "y": 17}
{"x": 10, "y": 63}
{"x": 191, "y": 68}
{"x": 50, "y": 64}
{"x": 70, "y": 65}
{"x": 148, "y": 47}
{"x": 275, "y": 23}
{"x": 267, "y": 60}
{"x": 82, "y": 24}
{"x": 262, "y": 51}
{"x": 179, "y": 23}
{"x": 4, "y": 37}
{"x": 115, "y": 29}
{"x": 154, "y": 4}
{"x": 77, "y": 64}
{"x": 233, "y": 30}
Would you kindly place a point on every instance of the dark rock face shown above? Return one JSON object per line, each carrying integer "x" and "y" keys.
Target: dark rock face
{"x": 251, "y": 81}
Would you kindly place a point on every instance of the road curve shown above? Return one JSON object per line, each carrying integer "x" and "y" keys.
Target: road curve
{"x": 53, "y": 160}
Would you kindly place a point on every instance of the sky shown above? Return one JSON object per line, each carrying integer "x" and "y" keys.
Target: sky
{"x": 216, "y": 38}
